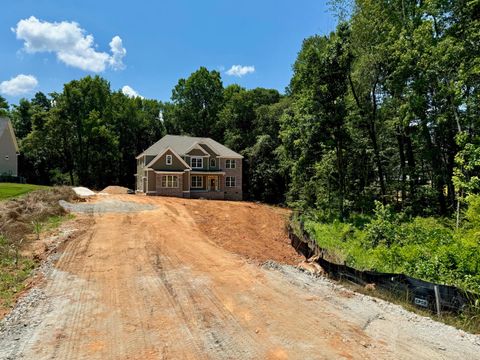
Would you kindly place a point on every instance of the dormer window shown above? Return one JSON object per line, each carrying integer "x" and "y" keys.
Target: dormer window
{"x": 213, "y": 162}
{"x": 196, "y": 162}
{"x": 168, "y": 160}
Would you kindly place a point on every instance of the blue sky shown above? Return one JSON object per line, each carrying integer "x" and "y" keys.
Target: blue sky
{"x": 50, "y": 42}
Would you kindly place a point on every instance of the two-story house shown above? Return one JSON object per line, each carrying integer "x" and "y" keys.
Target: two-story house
{"x": 190, "y": 167}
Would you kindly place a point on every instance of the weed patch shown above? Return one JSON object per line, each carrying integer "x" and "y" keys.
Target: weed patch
{"x": 33, "y": 213}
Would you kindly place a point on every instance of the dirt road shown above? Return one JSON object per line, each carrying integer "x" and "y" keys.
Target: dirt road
{"x": 168, "y": 283}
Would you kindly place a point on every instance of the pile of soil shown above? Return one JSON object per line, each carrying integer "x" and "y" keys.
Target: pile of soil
{"x": 261, "y": 233}
{"x": 115, "y": 190}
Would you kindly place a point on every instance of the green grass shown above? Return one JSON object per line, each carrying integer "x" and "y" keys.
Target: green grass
{"x": 9, "y": 190}
{"x": 12, "y": 278}
{"x": 54, "y": 222}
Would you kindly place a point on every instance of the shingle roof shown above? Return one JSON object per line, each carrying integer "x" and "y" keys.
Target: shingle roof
{"x": 181, "y": 144}
{"x": 5, "y": 125}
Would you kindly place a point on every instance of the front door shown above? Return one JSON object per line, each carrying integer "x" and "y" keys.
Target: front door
{"x": 212, "y": 182}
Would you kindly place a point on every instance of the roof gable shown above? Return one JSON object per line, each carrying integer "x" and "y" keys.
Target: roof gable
{"x": 208, "y": 149}
{"x": 196, "y": 149}
{"x": 171, "y": 151}
{"x": 6, "y": 126}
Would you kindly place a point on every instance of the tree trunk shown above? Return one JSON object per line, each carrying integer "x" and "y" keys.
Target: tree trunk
{"x": 401, "y": 152}
{"x": 413, "y": 181}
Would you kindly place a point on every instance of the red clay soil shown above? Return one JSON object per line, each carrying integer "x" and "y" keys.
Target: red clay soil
{"x": 151, "y": 285}
{"x": 115, "y": 190}
{"x": 166, "y": 283}
{"x": 255, "y": 231}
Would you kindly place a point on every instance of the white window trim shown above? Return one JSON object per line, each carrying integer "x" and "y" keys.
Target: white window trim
{"x": 196, "y": 146}
{"x": 230, "y": 161}
{"x": 163, "y": 152}
{"x": 169, "y": 160}
{"x": 196, "y": 158}
{"x": 234, "y": 181}
{"x": 201, "y": 182}
{"x": 166, "y": 181}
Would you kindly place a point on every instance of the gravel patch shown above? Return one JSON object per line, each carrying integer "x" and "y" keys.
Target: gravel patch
{"x": 106, "y": 206}
{"x": 29, "y": 310}
{"x": 426, "y": 330}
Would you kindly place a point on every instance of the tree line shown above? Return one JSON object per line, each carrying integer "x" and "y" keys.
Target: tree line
{"x": 385, "y": 108}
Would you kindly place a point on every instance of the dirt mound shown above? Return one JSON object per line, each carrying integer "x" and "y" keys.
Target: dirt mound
{"x": 115, "y": 190}
{"x": 261, "y": 234}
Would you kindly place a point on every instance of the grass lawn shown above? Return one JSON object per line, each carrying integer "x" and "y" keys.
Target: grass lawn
{"x": 9, "y": 190}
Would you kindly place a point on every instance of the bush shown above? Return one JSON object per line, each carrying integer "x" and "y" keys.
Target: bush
{"x": 426, "y": 248}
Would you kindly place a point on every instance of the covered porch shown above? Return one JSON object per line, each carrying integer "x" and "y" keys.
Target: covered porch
{"x": 207, "y": 184}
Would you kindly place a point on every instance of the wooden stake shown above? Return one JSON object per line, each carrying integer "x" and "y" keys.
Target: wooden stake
{"x": 437, "y": 298}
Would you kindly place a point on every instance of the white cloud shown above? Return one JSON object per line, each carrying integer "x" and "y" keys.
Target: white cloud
{"x": 70, "y": 43}
{"x": 239, "y": 70}
{"x": 21, "y": 84}
{"x": 127, "y": 90}
{"x": 118, "y": 53}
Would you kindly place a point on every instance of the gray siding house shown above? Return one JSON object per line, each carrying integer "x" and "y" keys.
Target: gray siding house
{"x": 189, "y": 167}
{"x": 8, "y": 149}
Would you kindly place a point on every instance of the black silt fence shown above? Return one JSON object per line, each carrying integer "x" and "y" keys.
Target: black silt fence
{"x": 418, "y": 292}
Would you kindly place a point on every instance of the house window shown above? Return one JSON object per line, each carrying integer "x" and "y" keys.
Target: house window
{"x": 169, "y": 181}
{"x": 213, "y": 163}
{"x": 196, "y": 162}
{"x": 230, "y": 164}
{"x": 169, "y": 160}
{"x": 230, "y": 181}
{"x": 197, "y": 182}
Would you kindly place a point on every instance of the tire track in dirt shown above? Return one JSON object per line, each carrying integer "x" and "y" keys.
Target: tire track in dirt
{"x": 207, "y": 317}
{"x": 153, "y": 285}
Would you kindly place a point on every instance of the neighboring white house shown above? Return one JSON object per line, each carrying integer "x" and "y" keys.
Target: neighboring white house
{"x": 8, "y": 149}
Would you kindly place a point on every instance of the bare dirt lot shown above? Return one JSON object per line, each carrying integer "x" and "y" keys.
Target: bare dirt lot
{"x": 165, "y": 278}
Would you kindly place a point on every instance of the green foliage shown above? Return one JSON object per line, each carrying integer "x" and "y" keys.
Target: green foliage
{"x": 313, "y": 131}
{"x": 198, "y": 100}
{"x": 3, "y": 107}
{"x": 385, "y": 109}
{"x": 467, "y": 160}
{"x": 472, "y": 214}
{"x": 12, "y": 277}
{"x": 425, "y": 248}
{"x": 85, "y": 135}
{"x": 382, "y": 229}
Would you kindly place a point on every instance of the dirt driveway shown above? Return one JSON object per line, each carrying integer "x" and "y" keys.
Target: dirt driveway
{"x": 170, "y": 280}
